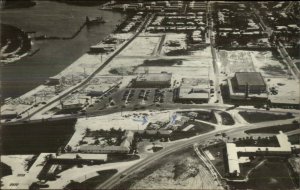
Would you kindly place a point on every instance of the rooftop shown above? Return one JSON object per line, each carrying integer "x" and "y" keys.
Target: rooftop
{"x": 154, "y": 77}
{"x": 250, "y": 78}
{"x": 193, "y": 93}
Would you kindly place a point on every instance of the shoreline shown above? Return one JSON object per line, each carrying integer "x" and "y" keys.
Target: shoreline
{"x": 18, "y": 44}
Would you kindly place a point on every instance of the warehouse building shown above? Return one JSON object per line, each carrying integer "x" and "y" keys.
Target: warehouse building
{"x": 247, "y": 85}
{"x": 193, "y": 90}
{"x": 153, "y": 80}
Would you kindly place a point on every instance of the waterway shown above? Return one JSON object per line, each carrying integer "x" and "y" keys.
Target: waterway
{"x": 51, "y": 19}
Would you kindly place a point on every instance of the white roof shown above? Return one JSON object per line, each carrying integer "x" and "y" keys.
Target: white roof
{"x": 233, "y": 161}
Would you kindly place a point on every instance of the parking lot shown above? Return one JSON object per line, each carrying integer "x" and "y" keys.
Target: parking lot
{"x": 133, "y": 98}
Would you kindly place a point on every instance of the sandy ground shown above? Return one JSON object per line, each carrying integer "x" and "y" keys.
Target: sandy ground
{"x": 180, "y": 172}
{"x": 142, "y": 46}
{"x": 129, "y": 121}
{"x": 288, "y": 90}
{"x": 269, "y": 66}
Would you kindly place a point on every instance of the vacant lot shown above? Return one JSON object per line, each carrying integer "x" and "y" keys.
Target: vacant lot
{"x": 181, "y": 170}
{"x": 268, "y": 64}
{"x": 275, "y": 129}
{"x": 236, "y": 61}
{"x": 142, "y": 46}
{"x": 256, "y": 117}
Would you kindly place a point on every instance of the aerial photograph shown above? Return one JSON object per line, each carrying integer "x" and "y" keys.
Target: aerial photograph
{"x": 145, "y": 94}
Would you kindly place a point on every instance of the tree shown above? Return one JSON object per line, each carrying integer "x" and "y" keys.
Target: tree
{"x": 97, "y": 142}
{"x": 87, "y": 131}
{"x": 34, "y": 186}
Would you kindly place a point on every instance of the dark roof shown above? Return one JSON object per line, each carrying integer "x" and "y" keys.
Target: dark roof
{"x": 250, "y": 78}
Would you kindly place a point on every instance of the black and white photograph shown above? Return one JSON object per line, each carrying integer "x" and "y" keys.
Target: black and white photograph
{"x": 145, "y": 94}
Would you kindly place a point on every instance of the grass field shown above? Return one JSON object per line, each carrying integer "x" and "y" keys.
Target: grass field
{"x": 294, "y": 139}
{"x": 256, "y": 117}
{"x": 275, "y": 129}
{"x": 272, "y": 174}
{"x": 226, "y": 118}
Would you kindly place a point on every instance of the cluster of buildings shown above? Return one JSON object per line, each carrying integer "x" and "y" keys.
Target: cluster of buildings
{"x": 178, "y": 23}
{"x": 234, "y": 153}
{"x": 124, "y": 147}
{"x": 197, "y": 6}
{"x": 235, "y": 25}
{"x": 155, "y": 6}
{"x": 195, "y": 90}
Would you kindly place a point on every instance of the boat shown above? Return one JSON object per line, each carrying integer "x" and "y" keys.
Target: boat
{"x": 97, "y": 20}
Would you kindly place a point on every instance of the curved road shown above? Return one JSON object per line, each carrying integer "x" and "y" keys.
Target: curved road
{"x": 123, "y": 176}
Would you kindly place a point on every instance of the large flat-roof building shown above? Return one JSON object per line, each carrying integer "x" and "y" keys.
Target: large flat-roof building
{"x": 152, "y": 80}
{"x": 195, "y": 90}
{"x": 246, "y": 85}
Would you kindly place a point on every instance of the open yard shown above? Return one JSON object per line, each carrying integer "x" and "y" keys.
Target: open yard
{"x": 268, "y": 65}
{"x": 142, "y": 46}
{"x": 286, "y": 91}
{"x": 256, "y": 117}
{"x": 236, "y": 61}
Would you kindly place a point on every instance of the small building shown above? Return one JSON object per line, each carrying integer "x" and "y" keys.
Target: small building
{"x": 52, "y": 81}
{"x": 8, "y": 114}
{"x": 153, "y": 80}
{"x": 71, "y": 106}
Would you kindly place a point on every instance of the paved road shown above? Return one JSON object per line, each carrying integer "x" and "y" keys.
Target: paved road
{"x": 172, "y": 107}
{"x": 214, "y": 55}
{"x": 123, "y": 176}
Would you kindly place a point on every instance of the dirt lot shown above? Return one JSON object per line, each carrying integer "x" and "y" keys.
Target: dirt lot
{"x": 236, "y": 61}
{"x": 181, "y": 170}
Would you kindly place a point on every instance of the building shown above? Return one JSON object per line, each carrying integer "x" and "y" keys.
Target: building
{"x": 193, "y": 90}
{"x": 94, "y": 149}
{"x": 153, "y": 80}
{"x": 234, "y": 152}
{"x": 128, "y": 138}
{"x": 52, "y": 81}
{"x": 247, "y": 85}
{"x": 124, "y": 147}
{"x": 8, "y": 113}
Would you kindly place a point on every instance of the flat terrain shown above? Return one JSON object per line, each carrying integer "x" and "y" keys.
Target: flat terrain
{"x": 256, "y": 117}
{"x": 181, "y": 170}
{"x": 275, "y": 129}
{"x": 273, "y": 174}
